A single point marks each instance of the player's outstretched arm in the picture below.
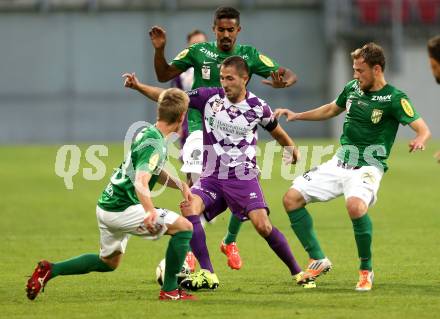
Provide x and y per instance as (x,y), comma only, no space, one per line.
(174,182)
(164,71)
(143,193)
(321,113)
(290,152)
(282,78)
(422,135)
(132,82)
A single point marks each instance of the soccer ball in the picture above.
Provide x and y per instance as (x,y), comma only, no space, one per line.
(160,272)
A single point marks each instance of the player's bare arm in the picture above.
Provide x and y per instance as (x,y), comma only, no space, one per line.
(281,78)
(290,152)
(164,71)
(132,82)
(321,113)
(143,193)
(422,135)
(170,181)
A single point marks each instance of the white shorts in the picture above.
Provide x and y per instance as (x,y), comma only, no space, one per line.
(328,181)
(192,153)
(116,227)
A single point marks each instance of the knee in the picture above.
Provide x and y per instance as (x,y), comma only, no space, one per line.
(293,200)
(264,228)
(186,225)
(356,207)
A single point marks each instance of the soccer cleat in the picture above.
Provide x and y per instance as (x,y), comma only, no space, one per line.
(317,267)
(365,282)
(191,261)
(203,279)
(176,294)
(231,251)
(38,279)
(306,283)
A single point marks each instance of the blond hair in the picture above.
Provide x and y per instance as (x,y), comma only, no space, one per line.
(172,103)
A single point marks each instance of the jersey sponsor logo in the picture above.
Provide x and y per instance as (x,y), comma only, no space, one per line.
(253,195)
(407,108)
(376,115)
(182,54)
(267,61)
(209,54)
(227,128)
(245,57)
(381,98)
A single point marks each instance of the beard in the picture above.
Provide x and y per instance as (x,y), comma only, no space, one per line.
(226,44)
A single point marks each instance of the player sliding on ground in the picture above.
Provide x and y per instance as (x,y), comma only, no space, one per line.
(125,207)
(206,58)
(229,176)
(374,111)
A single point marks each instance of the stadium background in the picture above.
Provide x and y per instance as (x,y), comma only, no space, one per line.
(61,60)
(61,63)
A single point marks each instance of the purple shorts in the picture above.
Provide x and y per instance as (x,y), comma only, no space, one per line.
(241,196)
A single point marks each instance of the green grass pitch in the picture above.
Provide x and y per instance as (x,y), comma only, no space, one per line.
(41,219)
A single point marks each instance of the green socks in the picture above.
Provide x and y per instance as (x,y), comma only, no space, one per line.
(302,224)
(233,229)
(80,265)
(175,256)
(363,231)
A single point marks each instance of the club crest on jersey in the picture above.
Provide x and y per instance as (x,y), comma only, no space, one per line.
(376,115)
(407,108)
(232,111)
(267,61)
(182,54)
(217,105)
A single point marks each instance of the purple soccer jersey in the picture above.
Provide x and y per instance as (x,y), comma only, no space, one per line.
(230,132)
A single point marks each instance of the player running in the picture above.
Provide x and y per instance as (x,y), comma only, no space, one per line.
(374,111)
(125,207)
(229,177)
(206,59)
(434,60)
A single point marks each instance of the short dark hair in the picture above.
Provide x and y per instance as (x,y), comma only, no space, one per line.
(195,32)
(434,48)
(227,13)
(238,63)
(372,54)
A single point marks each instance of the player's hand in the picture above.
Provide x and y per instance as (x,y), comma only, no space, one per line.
(186,192)
(437,156)
(416,144)
(131,81)
(278,80)
(291,155)
(290,116)
(158,37)
(185,208)
(150,221)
